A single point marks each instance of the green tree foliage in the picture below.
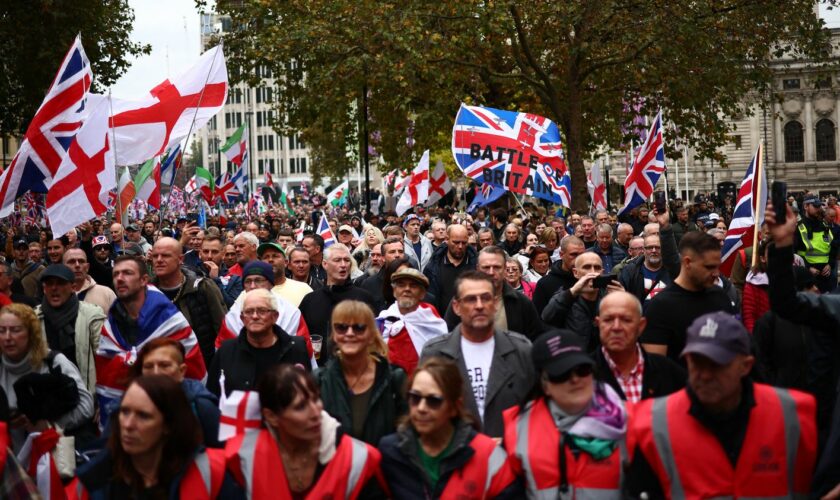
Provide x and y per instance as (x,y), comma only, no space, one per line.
(589,66)
(36,35)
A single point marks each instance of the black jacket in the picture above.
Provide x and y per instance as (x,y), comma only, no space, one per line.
(432,271)
(405,475)
(372,284)
(576,314)
(615,252)
(386,402)
(548,285)
(521,315)
(660,377)
(235,358)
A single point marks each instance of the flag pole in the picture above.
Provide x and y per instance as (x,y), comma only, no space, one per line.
(756,200)
(118,203)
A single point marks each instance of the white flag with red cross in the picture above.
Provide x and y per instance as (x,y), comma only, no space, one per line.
(417,186)
(439,184)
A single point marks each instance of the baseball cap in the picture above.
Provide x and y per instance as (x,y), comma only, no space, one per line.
(412,274)
(130,248)
(258,268)
(58,271)
(345,227)
(132,227)
(559,350)
(718,336)
(410,218)
(812,200)
(21,243)
(99,241)
(265,246)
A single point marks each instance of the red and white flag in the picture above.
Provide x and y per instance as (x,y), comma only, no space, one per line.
(36,456)
(149,126)
(80,188)
(240,412)
(125,195)
(417,186)
(439,184)
(597,188)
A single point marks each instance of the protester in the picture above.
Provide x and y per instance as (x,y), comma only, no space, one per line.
(301,451)
(447,263)
(418,248)
(570,438)
(437,452)
(560,276)
(300,268)
(495,364)
(87,290)
(7,294)
(513,277)
(245,245)
(539,263)
(605,248)
(291,290)
(762,439)
(314,244)
(648,276)
(42,386)
(25,270)
(392,249)
(154,450)
(512,240)
(213,266)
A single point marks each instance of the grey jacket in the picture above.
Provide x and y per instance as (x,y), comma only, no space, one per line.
(511,374)
(426,250)
(88,327)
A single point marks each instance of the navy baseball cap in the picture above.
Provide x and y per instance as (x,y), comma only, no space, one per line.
(58,271)
(718,336)
(258,268)
(558,350)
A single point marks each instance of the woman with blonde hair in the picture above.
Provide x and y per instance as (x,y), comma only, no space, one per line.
(43,386)
(359,387)
(371,236)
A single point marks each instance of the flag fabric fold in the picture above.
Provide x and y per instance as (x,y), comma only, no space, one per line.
(147,182)
(742,226)
(338,196)
(205,183)
(325,231)
(416,191)
(236,147)
(439,184)
(485,195)
(597,189)
(125,195)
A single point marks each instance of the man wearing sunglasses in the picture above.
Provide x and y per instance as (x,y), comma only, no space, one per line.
(495,364)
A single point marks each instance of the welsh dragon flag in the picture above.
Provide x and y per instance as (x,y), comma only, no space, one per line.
(147,182)
(236,147)
(205,183)
(338,196)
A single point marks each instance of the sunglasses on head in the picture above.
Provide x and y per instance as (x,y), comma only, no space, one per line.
(433,402)
(579,371)
(343,327)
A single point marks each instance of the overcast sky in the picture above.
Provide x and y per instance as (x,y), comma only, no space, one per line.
(172,29)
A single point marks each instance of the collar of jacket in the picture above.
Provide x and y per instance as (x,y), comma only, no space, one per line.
(452,346)
(459,454)
(282,343)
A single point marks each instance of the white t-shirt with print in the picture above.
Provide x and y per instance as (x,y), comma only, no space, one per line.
(478,357)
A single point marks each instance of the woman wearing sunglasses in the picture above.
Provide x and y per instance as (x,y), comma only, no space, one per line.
(436,452)
(569,441)
(359,387)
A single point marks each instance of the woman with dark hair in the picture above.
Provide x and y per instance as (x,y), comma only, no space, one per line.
(301,452)
(436,452)
(569,441)
(165,356)
(358,385)
(539,263)
(154,451)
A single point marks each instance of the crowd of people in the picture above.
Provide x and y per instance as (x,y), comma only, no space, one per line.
(513,353)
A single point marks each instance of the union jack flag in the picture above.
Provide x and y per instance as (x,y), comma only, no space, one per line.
(176,201)
(742,226)
(226,190)
(169,166)
(325,231)
(51,131)
(34,205)
(520,152)
(645,172)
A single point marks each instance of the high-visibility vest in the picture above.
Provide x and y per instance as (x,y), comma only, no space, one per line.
(485,475)
(533,442)
(817,246)
(776,460)
(4,445)
(254,460)
(201,481)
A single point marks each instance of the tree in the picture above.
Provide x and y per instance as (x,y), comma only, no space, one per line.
(36,35)
(592,67)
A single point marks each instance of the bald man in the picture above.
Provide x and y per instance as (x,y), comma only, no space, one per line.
(199,299)
(448,261)
(620,360)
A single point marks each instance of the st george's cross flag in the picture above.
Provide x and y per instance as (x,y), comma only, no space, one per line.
(416,191)
(439,184)
(647,167)
(520,152)
(81,186)
(597,189)
(149,126)
(751,205)
(36,456)
(45,144)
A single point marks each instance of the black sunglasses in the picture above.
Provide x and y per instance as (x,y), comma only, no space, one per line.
(433,402)
(343,327)
(580,371)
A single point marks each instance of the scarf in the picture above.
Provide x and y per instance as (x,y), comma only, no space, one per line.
(422,324)
(597,429)
(62,321)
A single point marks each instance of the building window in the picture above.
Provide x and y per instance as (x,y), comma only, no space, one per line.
(260,167)
(823,83)
(736,141)
(825,141)
(303,165)
(280,162)
(794,143)
(790,84)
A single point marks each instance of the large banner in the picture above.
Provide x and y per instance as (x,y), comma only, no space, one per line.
(519,152)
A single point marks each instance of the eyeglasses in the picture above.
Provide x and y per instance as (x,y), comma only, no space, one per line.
(343,327)
(653,247)
(472,300)
(432,402)
(579,371)
(262,311)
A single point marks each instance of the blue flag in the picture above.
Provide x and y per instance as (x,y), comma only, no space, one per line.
(487,194)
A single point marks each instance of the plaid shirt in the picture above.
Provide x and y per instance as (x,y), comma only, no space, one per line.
(631,384)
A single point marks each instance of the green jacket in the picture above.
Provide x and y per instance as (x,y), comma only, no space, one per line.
(387,403)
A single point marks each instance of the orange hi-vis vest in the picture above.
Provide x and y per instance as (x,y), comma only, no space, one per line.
(776,459)
(533,444)
(201,481)
(485,475)
(254,460)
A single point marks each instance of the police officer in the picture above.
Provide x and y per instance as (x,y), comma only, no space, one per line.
(813,243)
